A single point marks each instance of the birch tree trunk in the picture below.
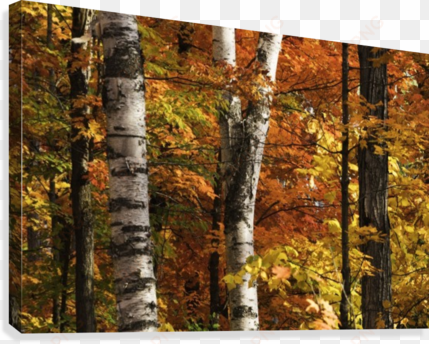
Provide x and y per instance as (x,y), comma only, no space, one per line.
(81,147)
(242,144)
(124,103)
(373,179)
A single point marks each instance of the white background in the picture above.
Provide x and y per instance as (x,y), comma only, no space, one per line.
(398,24)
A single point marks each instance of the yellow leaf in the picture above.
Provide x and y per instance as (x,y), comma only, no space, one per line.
(353,167)
(404,202)
(62,185)
(380,324)
(378,150)
(354,187)
(238,279)
(334,225)
(301,276)
(287,304)
(229,281)
(409,229)
(386,304)
(167,327)
(426,219)
(311,183)
(330,196)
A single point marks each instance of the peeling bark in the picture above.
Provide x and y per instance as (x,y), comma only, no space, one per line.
(373,182)
(124,103)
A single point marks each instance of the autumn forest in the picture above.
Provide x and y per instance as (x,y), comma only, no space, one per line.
(172,176)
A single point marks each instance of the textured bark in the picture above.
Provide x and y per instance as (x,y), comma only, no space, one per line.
(124,103)
(81,148)
(243,144)
(345,270)
(373,182)
(230,119)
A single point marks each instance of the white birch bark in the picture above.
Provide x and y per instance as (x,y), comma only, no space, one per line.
(124,103)
(242,144)
(230,120)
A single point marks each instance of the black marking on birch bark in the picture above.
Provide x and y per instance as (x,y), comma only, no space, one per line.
(242,243)
(262,56)
(138,228)
(117,223)
(152,305)
(111,154)
(243,312)
(127,249)
(119,128)
(138,326)
(117,31)
(132,285)
(128,172)
(117,203)
(125,62)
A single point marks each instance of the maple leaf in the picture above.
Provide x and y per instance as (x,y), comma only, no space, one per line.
(313,305)
(281,272)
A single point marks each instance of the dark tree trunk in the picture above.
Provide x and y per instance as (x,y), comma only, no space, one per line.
(214,255)
(33,235)
(34,242)
(185,37)
(373,182)
(346,295)
(80,184)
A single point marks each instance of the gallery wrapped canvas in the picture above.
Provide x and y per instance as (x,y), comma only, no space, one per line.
(173,176)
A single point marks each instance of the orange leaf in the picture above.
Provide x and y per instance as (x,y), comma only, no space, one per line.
(281,272)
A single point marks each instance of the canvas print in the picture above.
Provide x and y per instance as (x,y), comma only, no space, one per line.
(172,176)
